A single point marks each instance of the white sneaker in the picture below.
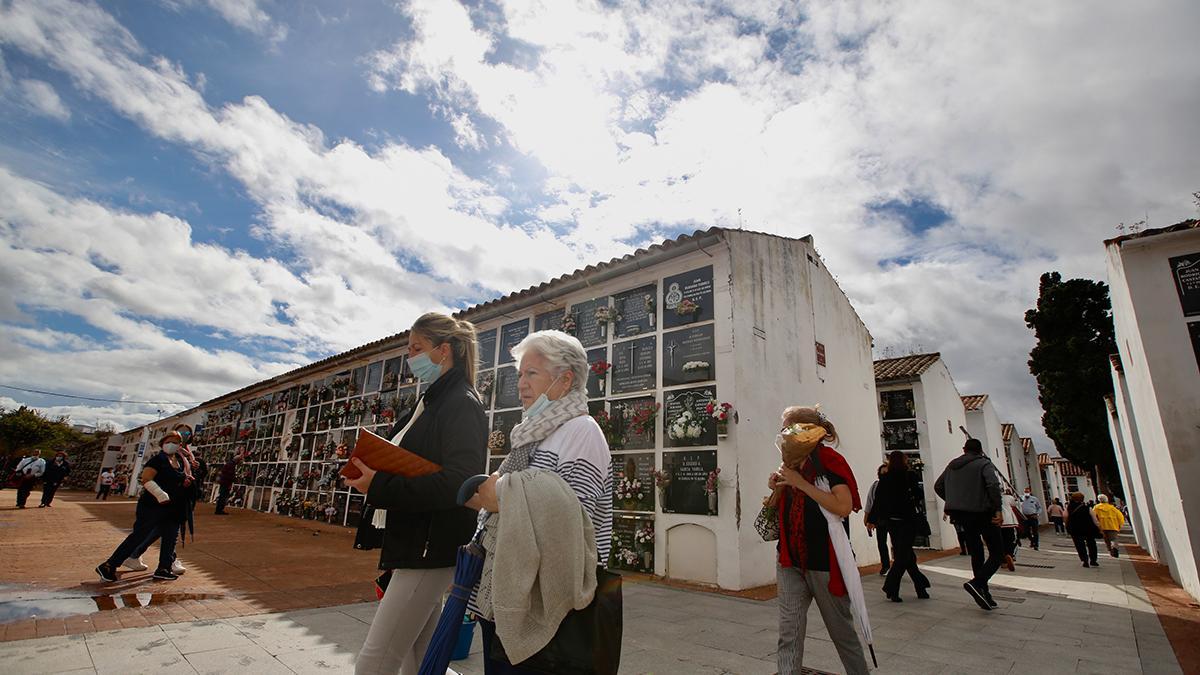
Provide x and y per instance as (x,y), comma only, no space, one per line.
(135,565)
(177,567)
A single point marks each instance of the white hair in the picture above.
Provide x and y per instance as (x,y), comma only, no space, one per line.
(1103,499)
(562,351)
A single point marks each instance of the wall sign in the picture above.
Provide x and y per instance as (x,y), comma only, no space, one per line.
(634,365)
(624,411)
(688,356)
(551,320)
(688,297)
(898,405)
(637,309)
(590,330)
(688,471)
(685,421)
(1185,270)
(510,336)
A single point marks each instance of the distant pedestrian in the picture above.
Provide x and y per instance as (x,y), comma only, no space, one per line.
(106,483)
(1008,528)
(880,530)
(225,479)
(56,472)
(29,471)
(900,504)
(1083,528)
(1057,513)
(970,485)
(1110,519)
(1031,509)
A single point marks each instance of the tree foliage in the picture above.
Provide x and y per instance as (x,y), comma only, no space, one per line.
(1074,330)
(25,428)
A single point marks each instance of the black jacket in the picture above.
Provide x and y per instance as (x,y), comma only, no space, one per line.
(970,483)
(898,495)
(425,525)
(55,474)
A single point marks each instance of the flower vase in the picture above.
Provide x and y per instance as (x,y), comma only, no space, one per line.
(648,561)
(651,317)
(603,330)
(712,503)
(722,429)
(630,504)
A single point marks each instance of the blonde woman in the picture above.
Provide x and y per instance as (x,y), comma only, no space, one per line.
(423,525)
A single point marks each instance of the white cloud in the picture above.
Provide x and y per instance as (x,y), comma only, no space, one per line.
(42,99)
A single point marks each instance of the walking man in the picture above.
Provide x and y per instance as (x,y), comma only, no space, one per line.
(1111,520)
(1031,508)
(56,472)
(29,471)
(970,485)
(106,483)
(225,483)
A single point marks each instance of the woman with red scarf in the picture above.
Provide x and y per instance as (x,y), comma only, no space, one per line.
(807,567)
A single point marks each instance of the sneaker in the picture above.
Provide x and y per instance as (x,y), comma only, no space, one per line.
(1086,565)
(135,565)
(106,572)
(977,595)
(165,575)
(1095,564)
(883,572)
(991,603)
(1009,564)
(177,567)
(1116,552)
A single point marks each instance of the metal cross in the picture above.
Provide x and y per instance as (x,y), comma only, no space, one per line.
(632,353)
(671,353)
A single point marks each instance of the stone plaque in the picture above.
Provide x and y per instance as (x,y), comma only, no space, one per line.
(688,472)
(596,384)
(634,365)
(685,421)
(688,290)
(898,405)
(374,377)
(487,348)
(551,320)
(632,543)
(633,482)
(900,436)
(1185,269)
(637,309)
(588,329)
(506,388)
(624,411)
(392,370)
(510,336)
(504,423)
(688,356)
(485,384)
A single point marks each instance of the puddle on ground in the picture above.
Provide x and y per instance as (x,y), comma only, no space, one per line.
(16,605)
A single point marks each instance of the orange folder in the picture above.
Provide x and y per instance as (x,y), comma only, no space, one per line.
(381,455)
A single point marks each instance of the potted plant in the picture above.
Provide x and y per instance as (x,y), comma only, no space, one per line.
(711,485)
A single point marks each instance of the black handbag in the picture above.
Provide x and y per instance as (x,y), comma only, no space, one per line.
(588,640)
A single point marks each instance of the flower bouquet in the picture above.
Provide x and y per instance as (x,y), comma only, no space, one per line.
(686,427)
(495,442)
(611,434)
(687,308)
(642,421)
(568,325)
(720,412)
(648,303)
(604,316)
(600,370)
(486,382)
(711,485)
(697,368)
(630,491)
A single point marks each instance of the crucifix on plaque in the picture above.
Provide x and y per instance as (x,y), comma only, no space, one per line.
(671,353)
(632,353)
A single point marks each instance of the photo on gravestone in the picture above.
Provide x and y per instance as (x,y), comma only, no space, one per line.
(900,435)
(633,481)
(590,330)
(506,394)
(504,422)
(634,365)
(551,320)
(688,297)
(688,356)
(632,543)
(685,420)
(636,420)
(485,384)
(1185,269)
(898,405)
(510,336)
(598,367)
(687,472)
(637,310)
(487,348)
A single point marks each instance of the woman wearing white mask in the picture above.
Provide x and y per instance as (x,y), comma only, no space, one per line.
(423,526)
(159,511)
(556,434)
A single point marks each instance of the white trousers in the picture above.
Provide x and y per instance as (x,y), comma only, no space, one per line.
(404,622)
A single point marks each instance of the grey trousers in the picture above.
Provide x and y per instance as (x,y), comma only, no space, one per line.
(404,622)
(797,589)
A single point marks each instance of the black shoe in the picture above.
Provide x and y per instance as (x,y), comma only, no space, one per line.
(107,573)
(894,597)
(922,594)
(220,513)
(1116,553)
(1095,564)
(165,574)
(41,506)
(977,595)
(990,601)
(883,572)
(1086,565)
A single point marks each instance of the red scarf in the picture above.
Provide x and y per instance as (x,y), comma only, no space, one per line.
(792,547)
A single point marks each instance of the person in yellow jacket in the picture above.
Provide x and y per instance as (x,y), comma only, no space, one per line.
(1111,519)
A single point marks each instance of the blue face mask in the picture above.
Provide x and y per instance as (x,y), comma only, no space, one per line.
(424,368)
(540,404)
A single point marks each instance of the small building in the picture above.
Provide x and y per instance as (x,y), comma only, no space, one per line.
(983,423)
(1154,281)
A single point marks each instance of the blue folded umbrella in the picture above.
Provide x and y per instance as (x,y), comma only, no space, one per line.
(445,636)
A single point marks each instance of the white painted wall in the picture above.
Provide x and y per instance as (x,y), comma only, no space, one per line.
(1030,458)
(1018,471)
(1052,478)
(984,424)
(1163,388)
(784,299)
(939,415)
(1130,462)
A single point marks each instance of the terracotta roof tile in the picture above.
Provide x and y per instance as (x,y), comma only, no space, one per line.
(904,367)
(1006,430)
(973,402)
(1044,459)
(1068,468)
(1026,443)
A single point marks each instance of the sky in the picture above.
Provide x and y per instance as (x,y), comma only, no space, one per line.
(196,195)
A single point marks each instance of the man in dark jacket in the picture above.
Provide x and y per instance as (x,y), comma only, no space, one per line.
(225,482)
(971,487)
(56,472)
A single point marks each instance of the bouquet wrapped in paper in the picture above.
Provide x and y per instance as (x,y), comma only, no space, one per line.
(796,442)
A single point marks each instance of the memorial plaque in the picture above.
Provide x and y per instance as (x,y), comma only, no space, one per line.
(392,370)
(510,336)
(374,377)
(551,320)
(485,384)
(898,405)
(632,543)
(637,309)
(634,365)
(685,421)
(624,411)
(900,436)
(596,384)
(506,394)
(633,482)
(588,329)
(1185,269)
(487,348)
(688,290)
(688,356)
(504,423)
(688,472)
(1194,334)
